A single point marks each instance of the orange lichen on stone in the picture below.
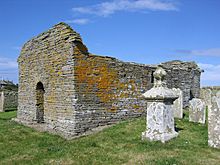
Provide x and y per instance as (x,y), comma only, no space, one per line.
(96,80)
(94,73)
(83,91)
(113,109)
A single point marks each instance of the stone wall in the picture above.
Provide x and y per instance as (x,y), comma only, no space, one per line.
(8,100)
(186,76)
(49,59)
(108,90)
(81,90)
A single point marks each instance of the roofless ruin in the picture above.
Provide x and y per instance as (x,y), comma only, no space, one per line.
(69,90)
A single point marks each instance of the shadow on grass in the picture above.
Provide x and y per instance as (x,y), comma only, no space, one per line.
(184,115)
(178,129)
(11,109)
(4,119)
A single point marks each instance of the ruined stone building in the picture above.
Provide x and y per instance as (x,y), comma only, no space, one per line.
(70,90)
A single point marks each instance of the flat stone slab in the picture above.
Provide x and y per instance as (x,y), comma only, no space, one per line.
(197,111)
(206,96)
(214,122)
(178,104)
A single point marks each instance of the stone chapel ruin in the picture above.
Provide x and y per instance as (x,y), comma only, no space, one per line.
(69,90)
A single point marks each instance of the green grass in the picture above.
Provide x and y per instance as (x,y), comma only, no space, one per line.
(119,144)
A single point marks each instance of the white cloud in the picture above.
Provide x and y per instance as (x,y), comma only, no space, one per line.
(108,8)
(204,52)
(8,69)
(6,63)
(80,21)
(207,52)
(211,75)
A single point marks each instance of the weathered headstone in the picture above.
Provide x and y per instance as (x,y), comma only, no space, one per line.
(2,101)
(178,104)
(206,96)
(160,119)
(214,122)
(197,111)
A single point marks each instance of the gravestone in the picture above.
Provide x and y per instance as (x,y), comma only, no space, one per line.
(178,104)
(2,101)
(214,122)
(206,96)
(160,119)
(197,111)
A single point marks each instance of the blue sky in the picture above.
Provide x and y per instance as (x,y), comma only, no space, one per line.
(142,31)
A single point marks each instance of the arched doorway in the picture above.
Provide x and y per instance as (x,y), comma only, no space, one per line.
(40,102)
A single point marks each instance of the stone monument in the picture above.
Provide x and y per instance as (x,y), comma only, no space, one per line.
(178,104)
(214,122)
(2,101)
(206,96)
(160,119)
(197,111)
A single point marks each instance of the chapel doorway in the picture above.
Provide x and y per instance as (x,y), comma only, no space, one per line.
(40,102)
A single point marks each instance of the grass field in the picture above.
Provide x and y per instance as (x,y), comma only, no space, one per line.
(119,144)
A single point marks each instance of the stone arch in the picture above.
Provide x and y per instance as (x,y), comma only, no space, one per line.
(40,102)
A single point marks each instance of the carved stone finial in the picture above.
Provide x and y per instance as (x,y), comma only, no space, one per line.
(159,76)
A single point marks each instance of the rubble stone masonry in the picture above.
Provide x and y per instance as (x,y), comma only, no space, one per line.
(80,91)
(8,100)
